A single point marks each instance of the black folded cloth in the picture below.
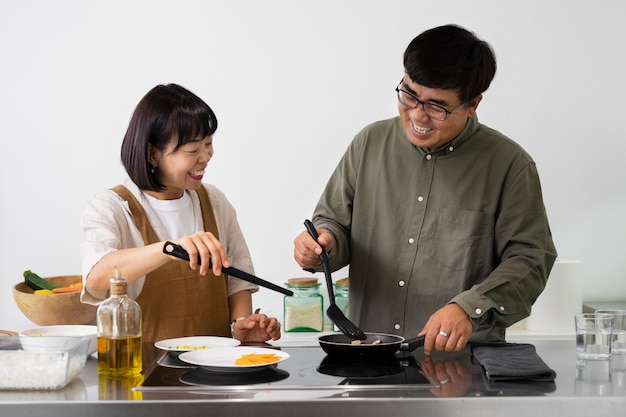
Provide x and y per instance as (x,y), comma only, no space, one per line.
(512,362)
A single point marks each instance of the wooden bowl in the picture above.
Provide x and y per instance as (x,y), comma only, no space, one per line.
(54,309)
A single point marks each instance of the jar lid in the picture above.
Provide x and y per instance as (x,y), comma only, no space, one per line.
(302,282)
(342,282)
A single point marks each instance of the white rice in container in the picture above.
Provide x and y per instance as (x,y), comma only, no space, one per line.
(39,369)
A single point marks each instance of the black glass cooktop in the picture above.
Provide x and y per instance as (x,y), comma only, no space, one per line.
(307,367)
(311,370)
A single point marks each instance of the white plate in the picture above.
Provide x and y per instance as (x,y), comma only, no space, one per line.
(186,344)
(223,359)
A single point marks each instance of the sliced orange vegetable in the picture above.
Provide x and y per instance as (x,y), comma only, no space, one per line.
(71,288)
(256,359)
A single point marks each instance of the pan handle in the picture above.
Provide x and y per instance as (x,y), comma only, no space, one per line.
(412,344)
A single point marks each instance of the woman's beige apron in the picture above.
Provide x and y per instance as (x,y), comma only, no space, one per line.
(176,301)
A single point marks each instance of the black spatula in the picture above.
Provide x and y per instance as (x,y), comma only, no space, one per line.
(334,312)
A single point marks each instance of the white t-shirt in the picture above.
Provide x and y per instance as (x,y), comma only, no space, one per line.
(108,225)
(177,215)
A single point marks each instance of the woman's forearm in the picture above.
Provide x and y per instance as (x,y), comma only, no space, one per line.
(132,263)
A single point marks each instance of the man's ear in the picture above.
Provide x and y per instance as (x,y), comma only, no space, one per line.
(473,105)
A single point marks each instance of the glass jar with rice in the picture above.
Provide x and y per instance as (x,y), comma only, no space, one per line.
(304,311)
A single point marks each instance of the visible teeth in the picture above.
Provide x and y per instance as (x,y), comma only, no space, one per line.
(196,173)
(421,129)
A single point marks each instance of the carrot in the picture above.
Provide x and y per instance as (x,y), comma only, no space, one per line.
(256,359)
(71,288)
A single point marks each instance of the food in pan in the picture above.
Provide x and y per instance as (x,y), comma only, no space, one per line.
(360,342)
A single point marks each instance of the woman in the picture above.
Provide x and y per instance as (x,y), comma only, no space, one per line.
(165,151)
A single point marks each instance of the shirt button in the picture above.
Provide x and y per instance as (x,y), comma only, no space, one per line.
(501,308)
(478,311)
(429,157)
(411,240)
(451,148)
(396,326)
(420,199)
(401,283)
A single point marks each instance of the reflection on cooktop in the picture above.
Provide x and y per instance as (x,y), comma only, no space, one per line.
(334,366)
(171,360)
(201,376)
(368,371)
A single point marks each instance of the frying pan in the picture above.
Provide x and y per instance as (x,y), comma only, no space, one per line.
(375,345)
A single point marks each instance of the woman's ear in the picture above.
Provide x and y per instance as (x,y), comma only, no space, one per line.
(153,155)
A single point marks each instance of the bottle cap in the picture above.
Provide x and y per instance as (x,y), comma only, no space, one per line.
(118,286)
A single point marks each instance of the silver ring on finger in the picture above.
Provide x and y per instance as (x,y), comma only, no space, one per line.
(442,333)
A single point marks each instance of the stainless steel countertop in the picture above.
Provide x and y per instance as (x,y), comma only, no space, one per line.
(580,389)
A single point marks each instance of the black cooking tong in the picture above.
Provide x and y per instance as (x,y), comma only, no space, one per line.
(334,312)
(178,251)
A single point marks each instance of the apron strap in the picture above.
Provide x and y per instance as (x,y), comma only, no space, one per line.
(208,217)
(139,214)
(177,300)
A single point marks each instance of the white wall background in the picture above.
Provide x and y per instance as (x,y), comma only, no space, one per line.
(291,83)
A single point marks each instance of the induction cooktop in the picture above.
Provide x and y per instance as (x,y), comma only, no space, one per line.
(311,373)
(307,368)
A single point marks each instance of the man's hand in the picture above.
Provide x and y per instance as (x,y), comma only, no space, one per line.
(449,328)
(306,250)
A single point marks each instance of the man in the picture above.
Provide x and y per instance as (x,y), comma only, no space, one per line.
(440,217)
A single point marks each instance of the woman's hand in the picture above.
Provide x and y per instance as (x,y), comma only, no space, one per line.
(256,328)
(206,247)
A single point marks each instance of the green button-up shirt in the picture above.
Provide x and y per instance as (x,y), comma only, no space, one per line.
(419,229)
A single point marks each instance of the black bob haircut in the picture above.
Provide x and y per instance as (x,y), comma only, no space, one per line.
(166,113)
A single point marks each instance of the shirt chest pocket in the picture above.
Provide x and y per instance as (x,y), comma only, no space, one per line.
(461,239)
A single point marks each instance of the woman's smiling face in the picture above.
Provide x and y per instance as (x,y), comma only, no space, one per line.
(181,169)
(426,132)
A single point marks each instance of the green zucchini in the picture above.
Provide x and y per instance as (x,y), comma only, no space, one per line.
(35,282)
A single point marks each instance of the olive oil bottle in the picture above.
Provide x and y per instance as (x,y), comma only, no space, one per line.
(119,332)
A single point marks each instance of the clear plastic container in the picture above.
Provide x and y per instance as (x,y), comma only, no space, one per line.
(304,311)
(41,363)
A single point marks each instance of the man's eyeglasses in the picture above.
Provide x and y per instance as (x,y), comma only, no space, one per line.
(434,111)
